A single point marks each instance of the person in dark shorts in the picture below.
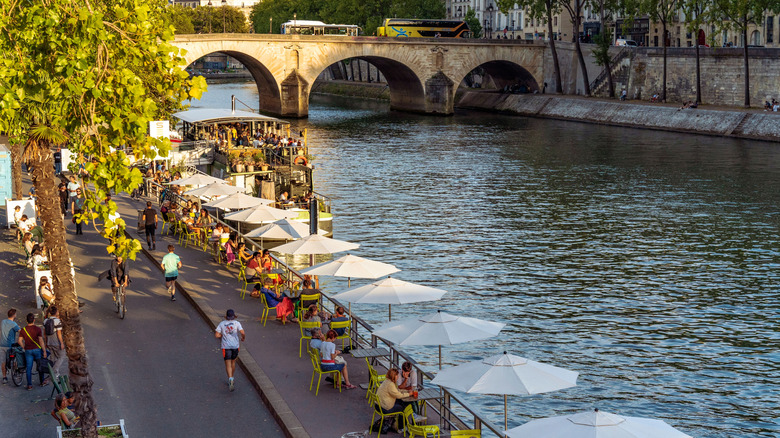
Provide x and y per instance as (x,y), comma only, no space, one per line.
(171,263)
(230,332)
(150,224)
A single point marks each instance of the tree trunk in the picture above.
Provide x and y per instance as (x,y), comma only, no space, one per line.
(50,215)
(576,21)
(747,64)
(607,64)
(553,52)
(698,72)
(663,79)
(16,170)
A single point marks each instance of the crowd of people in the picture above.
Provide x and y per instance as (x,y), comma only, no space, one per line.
(774,105)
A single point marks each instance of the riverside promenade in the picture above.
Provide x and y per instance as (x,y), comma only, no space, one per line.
(270,354)
(159,369)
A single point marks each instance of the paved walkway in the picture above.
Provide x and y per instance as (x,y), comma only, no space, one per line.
(159,369)
(273,347)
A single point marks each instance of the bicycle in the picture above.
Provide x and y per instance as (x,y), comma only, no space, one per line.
(119,300)
(15,364)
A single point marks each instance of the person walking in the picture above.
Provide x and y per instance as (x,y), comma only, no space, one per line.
(31,339)
(171,264)
(73,186)
(52,329)
(230,332)
(8,332)
(150,221)
(78,208)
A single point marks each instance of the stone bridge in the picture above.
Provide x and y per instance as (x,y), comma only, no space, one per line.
(422,73)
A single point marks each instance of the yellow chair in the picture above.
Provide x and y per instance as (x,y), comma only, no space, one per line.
(375,379)
(188,236)
(346,325)
(315,362)
(373,399)
(415,429)
(308,297)
(304,326)
(471,433)
(266,309)
(170,222)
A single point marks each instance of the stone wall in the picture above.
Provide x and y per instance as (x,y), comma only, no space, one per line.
(760,126)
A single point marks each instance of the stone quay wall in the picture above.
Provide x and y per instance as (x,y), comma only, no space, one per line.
(740,124)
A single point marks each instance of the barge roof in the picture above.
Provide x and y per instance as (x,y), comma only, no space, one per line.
(222,115)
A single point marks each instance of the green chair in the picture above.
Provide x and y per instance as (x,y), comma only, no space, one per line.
(375,379)
(307,297)
(315,362)
(266,309)
(415,429)
(346,325)
(171,222)
(471,433)
(304,326)
(188,236)
(373,399)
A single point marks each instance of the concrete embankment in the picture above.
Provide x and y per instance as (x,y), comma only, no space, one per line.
(741,124)
(362,90)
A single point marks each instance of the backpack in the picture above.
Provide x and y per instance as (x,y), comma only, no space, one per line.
(48,327)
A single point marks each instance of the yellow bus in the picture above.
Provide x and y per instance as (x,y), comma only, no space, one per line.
(404,27)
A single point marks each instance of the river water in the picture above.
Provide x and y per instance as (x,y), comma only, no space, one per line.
(646,261)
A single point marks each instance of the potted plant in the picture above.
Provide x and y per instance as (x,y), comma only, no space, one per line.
(236,163)
(250,164)
(259,158)
(110,430)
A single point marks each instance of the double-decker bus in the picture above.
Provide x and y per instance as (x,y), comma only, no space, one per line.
(403,27)
(309,27)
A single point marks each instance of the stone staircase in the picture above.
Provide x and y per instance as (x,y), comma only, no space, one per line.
(621,71)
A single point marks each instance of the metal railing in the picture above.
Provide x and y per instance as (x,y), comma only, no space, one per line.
(361,333)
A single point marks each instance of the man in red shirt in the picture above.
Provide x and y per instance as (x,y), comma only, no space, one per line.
(31,338)
(253,271)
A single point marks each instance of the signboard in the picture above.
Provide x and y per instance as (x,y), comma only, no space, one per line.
(159,128)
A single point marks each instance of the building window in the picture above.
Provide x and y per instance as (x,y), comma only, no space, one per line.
(770,29)
(555,21)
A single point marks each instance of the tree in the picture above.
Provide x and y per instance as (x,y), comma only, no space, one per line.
(181,19)
(603,42)
(473,22)
(218,19)
(696,15)
(660,11)
(739,15)
(94,75)
(541,10)
(574,8)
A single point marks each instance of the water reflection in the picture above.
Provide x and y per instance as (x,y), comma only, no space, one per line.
(646,261)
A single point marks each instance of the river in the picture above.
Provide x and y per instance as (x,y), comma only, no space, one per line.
(646,261)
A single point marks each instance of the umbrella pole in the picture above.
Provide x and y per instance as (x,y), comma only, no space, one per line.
(389,312)
(439,357)
(505,416)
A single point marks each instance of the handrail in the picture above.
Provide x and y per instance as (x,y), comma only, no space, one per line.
(450,418)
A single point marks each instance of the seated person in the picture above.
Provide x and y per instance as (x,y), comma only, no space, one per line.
(317,339)
(28,243)
(340,315)
(330,359)
(62,412)
(389,395)
(266,261)
(283,305)
(46,292)
(38,256)
(252,273)
(407,379)
(308,290)
(311,315)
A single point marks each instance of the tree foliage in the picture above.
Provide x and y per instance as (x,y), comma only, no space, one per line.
(474,26)
(368,14)
(92,74)
(208,19)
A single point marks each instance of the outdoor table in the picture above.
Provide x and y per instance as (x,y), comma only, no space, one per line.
(423,395)
(369,352)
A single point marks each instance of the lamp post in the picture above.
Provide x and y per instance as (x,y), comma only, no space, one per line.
(224,2)
(210,11)
(513,29)
(490,22)
(270,24)
(485,28)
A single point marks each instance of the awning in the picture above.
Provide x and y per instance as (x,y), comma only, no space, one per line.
(222,115)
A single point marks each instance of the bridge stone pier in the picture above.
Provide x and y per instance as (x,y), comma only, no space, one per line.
(422,73)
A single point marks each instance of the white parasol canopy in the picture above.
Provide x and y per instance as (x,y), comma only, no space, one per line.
(438,328)
(214,189)
(315,244)
(506,374)
(351,266)
(238,201)
(282,229)
(197,180)
(390,291)
(595,424)
(259,214)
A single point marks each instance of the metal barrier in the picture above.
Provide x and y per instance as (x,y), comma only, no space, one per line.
(361,332)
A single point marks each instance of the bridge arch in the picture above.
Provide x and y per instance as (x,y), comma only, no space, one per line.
(406,90)
(522,67)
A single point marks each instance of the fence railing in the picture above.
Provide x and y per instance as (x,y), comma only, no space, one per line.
(451,409)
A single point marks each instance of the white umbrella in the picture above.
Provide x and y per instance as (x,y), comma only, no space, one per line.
(197,180)
(259,214)
(315,244)
(352,267)
(438,328)
(238,201)
(282,229)
(390,291)
(595,424)
(214,189)
(506,374)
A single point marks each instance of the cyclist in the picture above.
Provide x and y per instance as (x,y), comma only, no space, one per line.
(119,274)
